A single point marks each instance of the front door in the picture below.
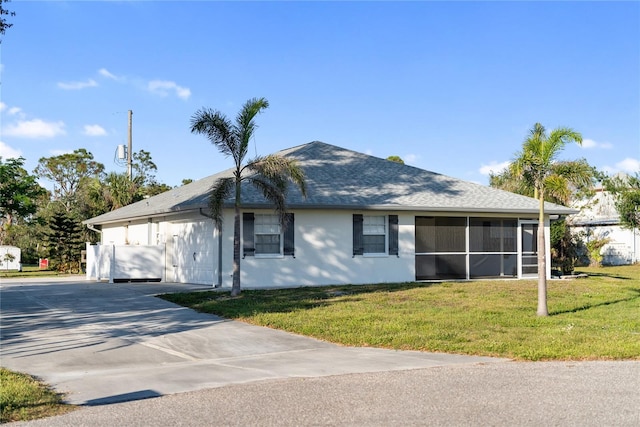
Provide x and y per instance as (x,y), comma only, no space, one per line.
(529,249)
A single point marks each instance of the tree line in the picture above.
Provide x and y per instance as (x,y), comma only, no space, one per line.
(47,223)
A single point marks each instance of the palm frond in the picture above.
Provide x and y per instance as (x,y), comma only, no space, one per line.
(217,128)
(218,193)
(511,179)
(245,124)
(273,193)
(557,189)
(280,170)
(580,175)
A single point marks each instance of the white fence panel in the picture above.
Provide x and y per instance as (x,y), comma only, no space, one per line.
(125,262)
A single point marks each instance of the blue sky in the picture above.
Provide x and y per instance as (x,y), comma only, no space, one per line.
(451,87)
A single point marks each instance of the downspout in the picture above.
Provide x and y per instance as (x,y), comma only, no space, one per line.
(219,284)
(92,228)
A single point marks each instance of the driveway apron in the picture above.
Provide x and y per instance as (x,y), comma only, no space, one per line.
(103,343)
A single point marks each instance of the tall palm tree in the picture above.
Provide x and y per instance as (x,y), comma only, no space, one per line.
(536,165)
(575,178)
(270,174)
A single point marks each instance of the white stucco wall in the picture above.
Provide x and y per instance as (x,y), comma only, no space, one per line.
(324,255)
(599,218)
(10,257)
(323,250)
(624,245)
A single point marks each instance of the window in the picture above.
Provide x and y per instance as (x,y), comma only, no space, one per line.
(262,234)
(267,234)
(375,234)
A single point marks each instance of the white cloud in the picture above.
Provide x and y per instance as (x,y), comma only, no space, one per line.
(629,165)
(7,152)
(163,87)
(590,143)
(13,111)
(411,159)
(494,167)
(77,85)
(35,128)
(105,73)
(94,130)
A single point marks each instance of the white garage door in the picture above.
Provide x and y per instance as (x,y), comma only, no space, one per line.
(192,252)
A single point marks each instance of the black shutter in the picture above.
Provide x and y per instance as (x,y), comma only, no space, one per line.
(248,245)
(358,244)
(289,233)
(393,234)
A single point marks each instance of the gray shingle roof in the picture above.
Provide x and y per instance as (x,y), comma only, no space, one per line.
(338,178)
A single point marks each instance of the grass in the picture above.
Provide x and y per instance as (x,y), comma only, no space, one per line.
(29,271)
(597,318)
(23,398)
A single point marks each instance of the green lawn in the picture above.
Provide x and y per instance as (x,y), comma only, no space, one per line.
(590,319)
(30,271)
(22,398)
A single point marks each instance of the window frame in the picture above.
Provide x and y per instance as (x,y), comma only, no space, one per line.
(287,236)
(385,234)
(280,235)
(391,242)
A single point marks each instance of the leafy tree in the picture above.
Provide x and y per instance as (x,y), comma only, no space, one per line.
(564,247)
(270,174)
(143,167)
(64,240)
(4,25)
(19,193)
(627,192)
(396,159)
(534,163)
(155,188)
(144,174)
(186,181)
(118,190)
(67,172)
(594,245)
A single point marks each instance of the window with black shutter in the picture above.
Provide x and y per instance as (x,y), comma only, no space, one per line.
(358,244)
(263,235)
(248,242)
(393,235)
(289,236)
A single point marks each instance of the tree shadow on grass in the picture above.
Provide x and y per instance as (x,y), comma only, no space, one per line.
(607,275)
(601,304)
(251,302)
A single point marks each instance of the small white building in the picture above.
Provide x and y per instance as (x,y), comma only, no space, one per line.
(598,218)
(10,258)
(365,220)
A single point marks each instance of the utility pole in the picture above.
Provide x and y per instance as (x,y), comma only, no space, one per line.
(130,149)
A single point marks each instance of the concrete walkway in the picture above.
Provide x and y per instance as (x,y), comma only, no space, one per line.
(104,343)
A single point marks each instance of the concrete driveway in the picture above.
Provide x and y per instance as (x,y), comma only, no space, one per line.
(104,343)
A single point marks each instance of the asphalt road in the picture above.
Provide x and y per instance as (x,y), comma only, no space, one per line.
(496,394)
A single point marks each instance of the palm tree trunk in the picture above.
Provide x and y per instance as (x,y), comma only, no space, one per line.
(235,287)
(542,262)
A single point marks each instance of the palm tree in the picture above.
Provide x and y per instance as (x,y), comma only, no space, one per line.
(270,174)
(575,179)
(535,164)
